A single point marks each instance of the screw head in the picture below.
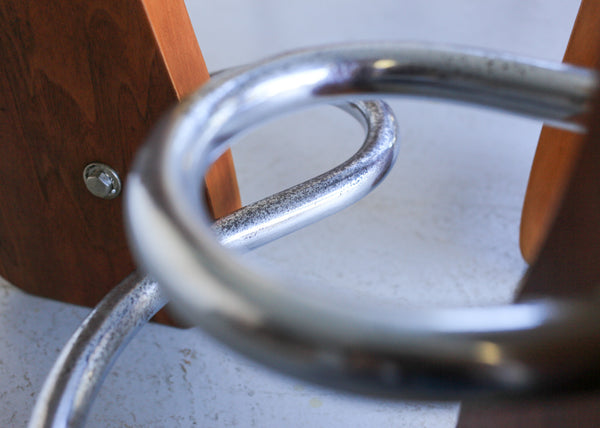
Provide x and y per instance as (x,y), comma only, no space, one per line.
(101,180)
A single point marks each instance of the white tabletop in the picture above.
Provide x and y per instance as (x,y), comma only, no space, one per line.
(441,230)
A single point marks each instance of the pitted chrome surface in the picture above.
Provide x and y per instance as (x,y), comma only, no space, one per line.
(85,360)
(305,203)
(365,346)
(536,347)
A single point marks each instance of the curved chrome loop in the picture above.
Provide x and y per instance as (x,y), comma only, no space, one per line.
(77,374)
(87,357)
(287,211)
(513,350)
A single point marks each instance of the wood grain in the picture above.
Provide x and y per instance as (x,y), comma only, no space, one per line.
(175,36)
(557,150)
(83,81)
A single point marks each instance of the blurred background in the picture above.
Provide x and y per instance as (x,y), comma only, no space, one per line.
(442,230)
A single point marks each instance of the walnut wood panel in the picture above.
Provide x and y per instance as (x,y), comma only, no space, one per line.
(83,81)
(557,150)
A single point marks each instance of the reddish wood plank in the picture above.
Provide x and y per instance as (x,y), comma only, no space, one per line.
(175,36)
(82,81)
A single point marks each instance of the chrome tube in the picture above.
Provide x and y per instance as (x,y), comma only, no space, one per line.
(87,357)
(537,347)
(82,365)
(305,203)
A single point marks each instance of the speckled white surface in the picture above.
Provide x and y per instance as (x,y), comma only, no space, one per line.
(441,230)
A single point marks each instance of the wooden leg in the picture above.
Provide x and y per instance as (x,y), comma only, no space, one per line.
(177,44)
(567,264)
(84,81)
(557,150)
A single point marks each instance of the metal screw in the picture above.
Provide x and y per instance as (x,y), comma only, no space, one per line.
(101,180)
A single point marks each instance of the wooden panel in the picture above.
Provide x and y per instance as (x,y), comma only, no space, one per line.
(83,81)
(557,150)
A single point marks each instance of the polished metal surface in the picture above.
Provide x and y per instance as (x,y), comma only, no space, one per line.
(374,347)
(101,180)
(83,363)
(305,203)
(85,360)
